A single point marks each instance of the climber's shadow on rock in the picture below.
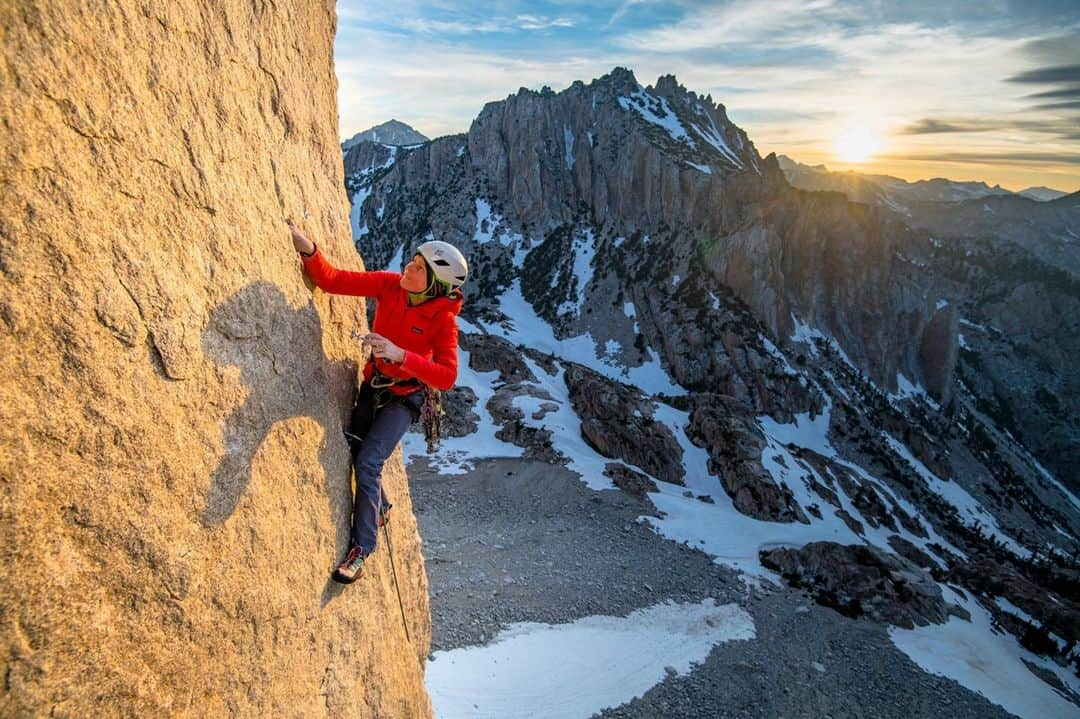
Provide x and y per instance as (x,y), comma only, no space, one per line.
(278,350)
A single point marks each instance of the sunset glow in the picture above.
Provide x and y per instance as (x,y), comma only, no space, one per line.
(856,144)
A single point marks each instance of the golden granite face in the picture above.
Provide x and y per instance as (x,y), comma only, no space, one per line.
(174,484)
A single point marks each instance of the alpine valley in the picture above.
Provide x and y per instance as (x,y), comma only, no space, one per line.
(836,415)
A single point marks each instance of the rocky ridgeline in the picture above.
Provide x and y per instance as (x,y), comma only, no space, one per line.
(174,484)
(644,218)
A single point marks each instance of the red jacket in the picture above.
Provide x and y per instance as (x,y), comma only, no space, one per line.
(427,332)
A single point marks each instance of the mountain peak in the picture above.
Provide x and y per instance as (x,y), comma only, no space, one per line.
(1042,193)
(392,132)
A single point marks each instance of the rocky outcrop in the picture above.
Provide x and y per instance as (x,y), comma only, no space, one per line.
(364,159)
(617,422)
(459,412)
(735,445)
(489,353)
(174,483)
(1051,602)
(863,581)
(634,483)
(612,166)
(1010,266)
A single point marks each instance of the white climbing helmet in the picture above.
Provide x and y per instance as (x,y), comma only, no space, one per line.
(446,261)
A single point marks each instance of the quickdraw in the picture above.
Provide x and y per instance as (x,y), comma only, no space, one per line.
(431,413)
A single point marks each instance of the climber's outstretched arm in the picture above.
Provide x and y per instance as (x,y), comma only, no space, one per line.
(342,282)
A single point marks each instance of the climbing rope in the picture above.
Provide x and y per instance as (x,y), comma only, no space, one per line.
(393,571)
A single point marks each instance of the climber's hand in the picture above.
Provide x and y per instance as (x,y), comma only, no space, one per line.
(299,241)
(384,349)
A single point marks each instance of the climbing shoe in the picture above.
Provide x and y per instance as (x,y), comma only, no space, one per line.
(384,513)
(351,567)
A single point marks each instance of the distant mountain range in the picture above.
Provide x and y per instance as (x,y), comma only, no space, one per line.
(892,191)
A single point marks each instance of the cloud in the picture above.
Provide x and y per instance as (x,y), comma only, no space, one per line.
(427,26)
(1054,49)
(745,24)
(1063,129)
(991,158)
(534,22)
(933,126)
(1072,105)
(1049,75)
(1066,92)
(1067,77)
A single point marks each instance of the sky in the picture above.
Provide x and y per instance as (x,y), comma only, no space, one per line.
(986,90)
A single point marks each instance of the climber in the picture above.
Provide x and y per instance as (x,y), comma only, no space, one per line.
(414,346)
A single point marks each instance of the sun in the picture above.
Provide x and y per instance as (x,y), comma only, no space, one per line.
(856,144)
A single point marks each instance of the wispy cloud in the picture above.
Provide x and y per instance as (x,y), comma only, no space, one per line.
(993,158)
(428,26)
(943,125)
(1049,75)
(1067,92)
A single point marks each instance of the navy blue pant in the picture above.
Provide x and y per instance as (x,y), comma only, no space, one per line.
(379,420)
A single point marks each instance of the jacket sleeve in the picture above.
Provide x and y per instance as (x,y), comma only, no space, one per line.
(345,282)
(440,372)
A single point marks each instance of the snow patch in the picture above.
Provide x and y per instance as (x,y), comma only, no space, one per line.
(524,326)
(358,199)
(483,214)
(714,137)
(397,262)
(1007,606)
(573,671)
(986,662)
(656,110)
(584,250)
(906,389)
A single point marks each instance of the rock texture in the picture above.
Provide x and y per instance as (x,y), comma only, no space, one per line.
(174,485)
